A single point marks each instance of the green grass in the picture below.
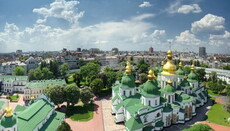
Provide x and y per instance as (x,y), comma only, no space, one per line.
(80,112)
(14,97)
(218,115)
(212,93)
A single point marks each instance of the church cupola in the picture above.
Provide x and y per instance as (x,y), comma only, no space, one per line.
(150,92)
(169,68)
(127,82)
(180,72)
(9,121)
(192,77)
(169,92)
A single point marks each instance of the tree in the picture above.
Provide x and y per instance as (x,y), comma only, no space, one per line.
(108,69)
(96,85)
(54,68)
(90,71)
(213,76)
(143,78)
(19,71)
(38,74)
(142,66)
(72,94)
(199,127)
(31,75)
(81,62)
(103,77)
(64,127)
(111,78)
(64,69)
(119,75)
(47,74)
(56,94)
(186,69)
(43,65)
(201,74)
(216,87)
(86,95)
(77,78)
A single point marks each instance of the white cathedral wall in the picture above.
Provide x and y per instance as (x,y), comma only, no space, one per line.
(154,101)
(127,91)
(165,78)
(165,114)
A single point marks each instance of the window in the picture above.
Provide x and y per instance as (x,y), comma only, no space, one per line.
(145,118)
(124,93)
(158,114)
(149,103)
(130,93)
(155,102)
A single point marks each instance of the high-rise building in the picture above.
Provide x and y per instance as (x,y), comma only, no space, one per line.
(151,50)
(114,51)
(202,51)
(18,52)
(78,49)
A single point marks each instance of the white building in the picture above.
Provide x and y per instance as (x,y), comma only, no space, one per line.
(224,75)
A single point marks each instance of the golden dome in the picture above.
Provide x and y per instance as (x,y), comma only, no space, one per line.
(162,63)
(8,111)
(151,75)
(192,67)
(128,68)
(180,64)
(169,68)
(32,98)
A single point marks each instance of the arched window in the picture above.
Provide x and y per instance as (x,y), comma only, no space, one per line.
(158,114)
(124,93)
(130,93)
(145,118)
(149,103)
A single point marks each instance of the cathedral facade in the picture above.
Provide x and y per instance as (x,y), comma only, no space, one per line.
(170,98)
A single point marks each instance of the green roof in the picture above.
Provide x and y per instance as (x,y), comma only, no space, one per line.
(116,87)
(134,124)
(114,98)
(201,96)
(54,121)
(159,124)
(135,108)
(180,72)
(127,81)
(33,115)
(185,83)
(19,109)
(150,89)
(7,122)
(148,128)
(175,104)
(2,103)
(184,98)
(167,108)
(192,76)
(130,101)
(169,89)
(11,78)
(45,83)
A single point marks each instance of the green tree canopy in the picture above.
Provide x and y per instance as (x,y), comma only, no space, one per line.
(119,75)
(201,74)
(47,74)
(72,94)
(96,85)
(43,65)
(111,78)
(53,66)
(56,94)
(64,127)
(86,95)
(77,78)
(19,71)
(213,76)
(64,69)
(90,71)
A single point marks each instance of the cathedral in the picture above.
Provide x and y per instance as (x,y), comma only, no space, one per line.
(170,98)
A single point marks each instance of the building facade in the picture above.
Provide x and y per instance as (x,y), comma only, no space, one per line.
(202,51)
(160,102)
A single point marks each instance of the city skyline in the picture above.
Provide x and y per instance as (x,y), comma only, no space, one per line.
(48,25)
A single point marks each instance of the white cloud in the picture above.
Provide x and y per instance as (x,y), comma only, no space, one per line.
(60,9)
(123,34)
(187,38)
(209,24)
(218,40)
(185,9)
(173,7)
(145,4)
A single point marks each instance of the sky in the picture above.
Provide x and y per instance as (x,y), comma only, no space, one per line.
(132,25)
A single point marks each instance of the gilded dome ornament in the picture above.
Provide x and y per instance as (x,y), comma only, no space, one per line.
(8,111)
(169,68)
(128,68)
(151,75)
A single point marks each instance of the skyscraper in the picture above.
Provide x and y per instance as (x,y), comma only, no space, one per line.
(202,51)
(151,51)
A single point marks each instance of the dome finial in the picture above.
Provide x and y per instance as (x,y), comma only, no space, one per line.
(162,63)
(180,65)
(151,75)
(128,68)
(169,68)
(32,98)
(169,82)
(8,110)
(192,66)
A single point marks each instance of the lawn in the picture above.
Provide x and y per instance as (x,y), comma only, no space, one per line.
(212,93)
(218,115)
(14,98)
(81,112)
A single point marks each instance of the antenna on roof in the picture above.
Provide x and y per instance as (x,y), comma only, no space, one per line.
(170,45)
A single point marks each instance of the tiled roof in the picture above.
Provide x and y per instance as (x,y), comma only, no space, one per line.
(54,121)
(45,83)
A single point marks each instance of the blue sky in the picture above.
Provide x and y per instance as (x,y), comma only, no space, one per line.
(46,25)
